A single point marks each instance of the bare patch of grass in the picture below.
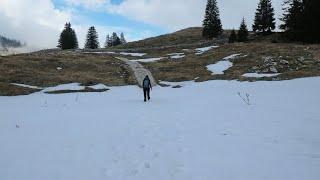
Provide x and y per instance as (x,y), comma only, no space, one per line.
(7,89)
(85,90)
(62,67)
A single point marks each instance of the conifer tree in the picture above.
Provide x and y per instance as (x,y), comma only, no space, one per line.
(243,32)
(301,20)
(122,39)
(92,39)
(264,20)
(108,42)
(292,19)
(212,26)
(233,36)
(311,21)
(68,38)
(115,39)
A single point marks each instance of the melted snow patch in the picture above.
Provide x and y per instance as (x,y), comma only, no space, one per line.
(133,54)
(204,49)
(100,52)
(182,83)
(99,86)
(147,60)
(256,75)
(176,55)
(71,86)
(219,67)
(233,56)
(26,86)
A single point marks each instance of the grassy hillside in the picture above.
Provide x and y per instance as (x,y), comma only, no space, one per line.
(291,60)
(46,69)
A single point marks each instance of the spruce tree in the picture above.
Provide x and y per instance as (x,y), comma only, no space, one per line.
(301,20)
(122,39)
(311,21)
(212,26)
(264,20)
(233,36)
(92,39)
(68,38)
(292,19)
(108,42)
(115,39)
(243,32)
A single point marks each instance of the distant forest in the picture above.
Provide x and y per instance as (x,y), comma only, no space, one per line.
(6,42)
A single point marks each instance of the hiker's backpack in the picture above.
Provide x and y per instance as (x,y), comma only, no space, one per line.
(146,83)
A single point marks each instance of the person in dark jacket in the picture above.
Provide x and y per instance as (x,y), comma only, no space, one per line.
(146,85)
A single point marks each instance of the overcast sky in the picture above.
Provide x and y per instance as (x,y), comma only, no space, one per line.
(39,22)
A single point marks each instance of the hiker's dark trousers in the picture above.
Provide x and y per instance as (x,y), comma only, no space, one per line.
(146,92)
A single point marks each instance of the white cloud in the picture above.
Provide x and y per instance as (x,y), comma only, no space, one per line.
(36,22)
(39,23)
(177,14)
(90,4)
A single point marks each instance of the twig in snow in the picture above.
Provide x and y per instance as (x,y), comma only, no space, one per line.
(77,97)
(245,99)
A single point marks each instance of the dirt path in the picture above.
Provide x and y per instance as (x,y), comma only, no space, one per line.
(139,71)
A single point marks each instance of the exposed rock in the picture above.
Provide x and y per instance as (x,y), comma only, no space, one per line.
(284,62)
(177,86)
(301,59)
(273,69)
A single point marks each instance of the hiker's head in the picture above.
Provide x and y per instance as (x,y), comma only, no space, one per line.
(147,76)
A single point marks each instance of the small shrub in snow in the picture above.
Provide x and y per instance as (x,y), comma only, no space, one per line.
(245,98)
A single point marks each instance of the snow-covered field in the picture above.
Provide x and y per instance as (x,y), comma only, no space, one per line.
(202,131)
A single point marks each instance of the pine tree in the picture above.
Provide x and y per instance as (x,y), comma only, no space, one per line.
(212,26)
(122,39)
(115,39)
(243,32)
(301,20)
(292,19)
(92,39)
(68,38)
(108,42)
(311,21)
(264,20)
(233,36)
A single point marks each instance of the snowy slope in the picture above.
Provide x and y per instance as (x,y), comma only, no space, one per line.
(181,134)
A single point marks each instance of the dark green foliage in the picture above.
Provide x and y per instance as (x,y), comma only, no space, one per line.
(92,41)
(292,19)
(122,39)
(243,32)
(108,42)
(6,42)
(264,21)
(233,36)
(212,26)
(311,21)
(301,20)
(68,38)
(115,39)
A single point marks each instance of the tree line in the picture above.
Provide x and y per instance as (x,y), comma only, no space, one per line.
(6,42)
(68,39)
(300,21)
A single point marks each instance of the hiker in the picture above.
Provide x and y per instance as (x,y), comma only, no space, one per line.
(146,85)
